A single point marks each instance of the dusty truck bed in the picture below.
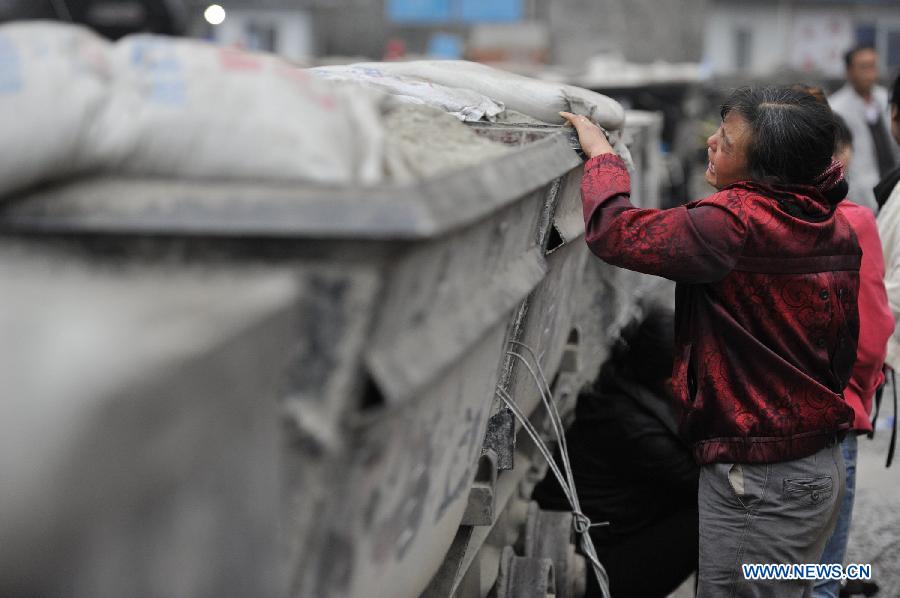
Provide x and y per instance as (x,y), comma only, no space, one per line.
(129,436)
(409,210)
(397,462)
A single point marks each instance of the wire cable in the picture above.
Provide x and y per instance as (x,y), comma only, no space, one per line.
(580,522)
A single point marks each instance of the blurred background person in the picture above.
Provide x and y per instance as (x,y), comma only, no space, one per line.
(888,197)
(631,467)
(888,184)
(876,323)
(843,142)
(863,104)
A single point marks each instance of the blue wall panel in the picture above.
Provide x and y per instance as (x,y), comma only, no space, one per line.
(419,11)
(490,11)
(443,11)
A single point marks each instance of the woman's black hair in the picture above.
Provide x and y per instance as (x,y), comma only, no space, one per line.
(791,133)
(850,54)
(843,136)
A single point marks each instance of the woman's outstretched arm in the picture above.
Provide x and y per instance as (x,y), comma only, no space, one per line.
(694,244)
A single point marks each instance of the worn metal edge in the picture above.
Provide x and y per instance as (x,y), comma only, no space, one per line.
(507,486)
(389,362)
(244,209)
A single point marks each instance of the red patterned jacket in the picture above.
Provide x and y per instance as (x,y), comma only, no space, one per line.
(765,309)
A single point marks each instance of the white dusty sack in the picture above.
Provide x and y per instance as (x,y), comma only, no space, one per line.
(542,100)
(53,81)
(188,109)
(464,104)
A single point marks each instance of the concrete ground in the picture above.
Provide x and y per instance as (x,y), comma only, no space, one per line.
(685,590)
(875,531)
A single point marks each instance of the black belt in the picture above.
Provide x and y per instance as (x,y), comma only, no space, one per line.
(878,394)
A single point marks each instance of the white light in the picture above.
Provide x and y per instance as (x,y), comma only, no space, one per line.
(214,14)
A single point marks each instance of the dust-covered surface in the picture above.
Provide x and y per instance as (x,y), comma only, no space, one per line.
(464,104)
(126,423)
(514,117)
(422,142)
(540,99)
(875,530)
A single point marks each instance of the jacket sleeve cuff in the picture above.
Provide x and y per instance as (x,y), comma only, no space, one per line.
(605,161)
(605,177)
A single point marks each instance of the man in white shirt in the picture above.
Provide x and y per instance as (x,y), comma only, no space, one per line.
(888,198)
(864,106)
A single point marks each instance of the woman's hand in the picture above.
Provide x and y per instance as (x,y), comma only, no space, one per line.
(593,141)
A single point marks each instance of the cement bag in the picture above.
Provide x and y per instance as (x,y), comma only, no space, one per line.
(188,109)
(464,104)
(539,99)
(423,142)
(53,80)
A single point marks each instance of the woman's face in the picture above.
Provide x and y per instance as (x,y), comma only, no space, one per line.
(727,152)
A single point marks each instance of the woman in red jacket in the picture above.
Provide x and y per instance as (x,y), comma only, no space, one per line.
(766,327)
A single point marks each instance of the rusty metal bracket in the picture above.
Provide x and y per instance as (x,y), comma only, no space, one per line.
(523,577)
(501,438)
(550,535)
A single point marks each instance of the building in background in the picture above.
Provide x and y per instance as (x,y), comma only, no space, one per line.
(567,32)
(110,18)
(765,37)
(278,26)
(641,31)
(562,32)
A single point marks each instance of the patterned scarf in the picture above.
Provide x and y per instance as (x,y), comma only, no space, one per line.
(831,183)
(829,179)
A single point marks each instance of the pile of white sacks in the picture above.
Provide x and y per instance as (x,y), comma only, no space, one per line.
(475,91)
(72,103)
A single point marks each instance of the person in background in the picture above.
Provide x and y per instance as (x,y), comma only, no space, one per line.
(843,136)
(888,197)
(887,187)
(863,104)
(631,468)
(843,142)
(887,194)
(876,323)
(767,275)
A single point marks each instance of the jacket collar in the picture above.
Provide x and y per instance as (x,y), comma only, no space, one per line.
(800,201)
